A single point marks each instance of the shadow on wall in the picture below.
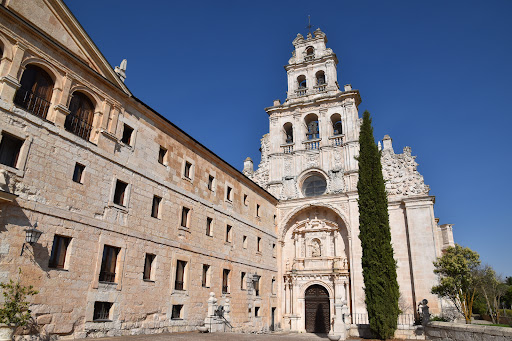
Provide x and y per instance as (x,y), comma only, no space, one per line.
(14,220)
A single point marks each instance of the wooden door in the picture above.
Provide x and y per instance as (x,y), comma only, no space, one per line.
(318,314)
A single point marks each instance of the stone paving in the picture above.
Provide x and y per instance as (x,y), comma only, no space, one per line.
(194,336)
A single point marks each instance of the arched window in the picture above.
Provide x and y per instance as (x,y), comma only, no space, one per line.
(301,80)
(35,92)
(288,131)
(314,185)
(311,121)
(310,51)
(79,121)
(320,78)
(336,124)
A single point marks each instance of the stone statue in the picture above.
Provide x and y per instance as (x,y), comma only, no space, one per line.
(121,70)
(4,180)
(316,251)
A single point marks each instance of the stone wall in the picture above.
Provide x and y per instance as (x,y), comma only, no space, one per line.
(445,331)
(83,211)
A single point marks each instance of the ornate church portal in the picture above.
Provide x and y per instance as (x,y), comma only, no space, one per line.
(316,268)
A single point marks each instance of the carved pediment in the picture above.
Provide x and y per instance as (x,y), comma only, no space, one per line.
(314,226)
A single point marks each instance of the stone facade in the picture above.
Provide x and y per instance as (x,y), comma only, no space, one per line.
(309,163)
(145,230)
(39,187)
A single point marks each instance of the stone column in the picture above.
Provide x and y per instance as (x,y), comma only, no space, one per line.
(9,84)
(59,112)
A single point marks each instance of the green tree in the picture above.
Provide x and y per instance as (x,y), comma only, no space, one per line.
(15,311)
(379,266)
(492,288)
(459,280)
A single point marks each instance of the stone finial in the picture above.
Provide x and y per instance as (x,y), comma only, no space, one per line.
(318,33)
(309,36)
(379,146)
(299,39)
(248,166)
(387,143)
(348,87)
(121,70)
(277,102)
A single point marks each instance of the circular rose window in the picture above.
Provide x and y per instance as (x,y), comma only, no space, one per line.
(313,186)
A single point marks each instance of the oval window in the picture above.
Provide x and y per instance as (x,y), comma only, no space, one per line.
(313,186)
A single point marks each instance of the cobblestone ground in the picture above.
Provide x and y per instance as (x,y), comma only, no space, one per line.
(193,336)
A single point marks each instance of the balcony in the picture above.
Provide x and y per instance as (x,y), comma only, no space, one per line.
(36,105)
(309,57)
(78,126)
(287,148)
(312,144)
(301,92)
(320,88)
(336,140)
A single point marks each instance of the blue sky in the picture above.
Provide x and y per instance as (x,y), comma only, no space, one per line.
(435,75)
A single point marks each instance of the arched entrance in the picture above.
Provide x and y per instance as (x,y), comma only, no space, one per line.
(318,314)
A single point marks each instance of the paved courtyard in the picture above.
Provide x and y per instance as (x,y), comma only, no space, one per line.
(194,336)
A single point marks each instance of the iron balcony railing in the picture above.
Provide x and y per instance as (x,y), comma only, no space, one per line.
(309,57)
(106,276)
(34,104)
(78,127)
(178,285)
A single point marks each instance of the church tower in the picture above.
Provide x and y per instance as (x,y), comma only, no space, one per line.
(313,135)
(308,162)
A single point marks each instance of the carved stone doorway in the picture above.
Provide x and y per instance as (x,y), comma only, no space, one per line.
(318,314)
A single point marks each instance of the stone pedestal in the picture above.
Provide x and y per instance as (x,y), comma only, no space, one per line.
(339,327)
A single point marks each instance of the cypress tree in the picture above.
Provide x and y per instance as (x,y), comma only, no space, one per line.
(379,266)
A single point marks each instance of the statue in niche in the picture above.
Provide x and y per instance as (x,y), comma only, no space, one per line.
(316,250)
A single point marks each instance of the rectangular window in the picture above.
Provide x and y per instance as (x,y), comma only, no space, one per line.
(161,155)
(59,250)
(256,284)
(229,193)
(148,267)
(245,199)
(225,281)
(127,134)
(206,276)
(184,216)
(10,148)
(243,283)
(257,210)
(179,283)
(78,173)
(228,233)
(273,286)
(120,193)
(187,170)
(155,210)
(256,311)
(108,264)
(244,242)
(209,231)
(102,311)
(259,244)
(177,311)
(274,250)
(210,182)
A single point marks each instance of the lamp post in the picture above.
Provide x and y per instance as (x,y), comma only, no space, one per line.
(31,236)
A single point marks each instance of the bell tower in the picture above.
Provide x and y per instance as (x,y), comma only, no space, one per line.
(313,135)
